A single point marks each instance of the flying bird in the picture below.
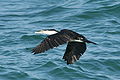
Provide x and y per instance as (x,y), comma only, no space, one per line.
(76,43)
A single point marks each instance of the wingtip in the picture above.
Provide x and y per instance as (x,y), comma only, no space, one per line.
(36,52)
(33,52)
(68,63)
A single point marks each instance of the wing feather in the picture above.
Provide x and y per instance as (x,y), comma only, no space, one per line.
(54,40)
(73,51)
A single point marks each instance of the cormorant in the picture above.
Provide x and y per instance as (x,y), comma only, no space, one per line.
(75,48)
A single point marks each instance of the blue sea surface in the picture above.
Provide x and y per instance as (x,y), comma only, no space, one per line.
(98,20)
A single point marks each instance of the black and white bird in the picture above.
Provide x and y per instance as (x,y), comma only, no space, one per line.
(75,48)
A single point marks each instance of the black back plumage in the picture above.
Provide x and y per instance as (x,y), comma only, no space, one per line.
(55,40)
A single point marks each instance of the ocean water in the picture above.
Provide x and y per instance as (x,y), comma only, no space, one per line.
(98,20)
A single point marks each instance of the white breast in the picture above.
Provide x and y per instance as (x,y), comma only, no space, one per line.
(76,41)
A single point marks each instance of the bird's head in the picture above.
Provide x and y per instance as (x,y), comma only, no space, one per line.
(47,31)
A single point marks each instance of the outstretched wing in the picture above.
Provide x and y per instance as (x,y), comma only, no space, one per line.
(73,51)
(54,40)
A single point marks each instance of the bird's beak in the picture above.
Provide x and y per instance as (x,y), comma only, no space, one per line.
(90,42)
(39,32)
